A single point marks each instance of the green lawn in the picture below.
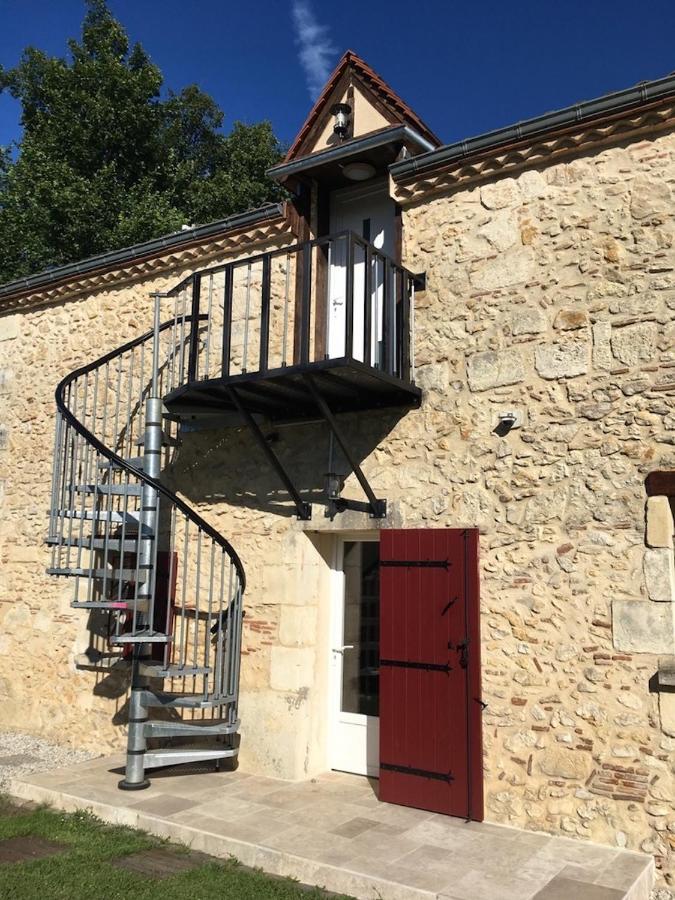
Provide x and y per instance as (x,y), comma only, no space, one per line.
(85,870)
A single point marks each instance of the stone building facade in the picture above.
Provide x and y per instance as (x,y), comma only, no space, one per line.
(550,299)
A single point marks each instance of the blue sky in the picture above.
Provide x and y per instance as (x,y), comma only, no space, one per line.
(464,67)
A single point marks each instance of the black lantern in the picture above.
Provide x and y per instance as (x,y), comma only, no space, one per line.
(342,113)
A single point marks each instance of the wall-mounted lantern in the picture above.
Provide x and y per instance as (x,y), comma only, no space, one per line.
(342,113)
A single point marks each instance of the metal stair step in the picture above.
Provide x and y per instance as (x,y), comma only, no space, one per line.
(140,606)
(97,660)
(108,490)
(181,701)
(157,670)
(157,729)
(110,574)
(152,759)
(136,462)
(113,544)
(142,637)
(102,515)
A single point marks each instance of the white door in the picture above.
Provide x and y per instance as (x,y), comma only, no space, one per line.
(370,213)
(355,655)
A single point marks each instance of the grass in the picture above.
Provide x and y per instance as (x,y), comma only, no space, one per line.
(85,871)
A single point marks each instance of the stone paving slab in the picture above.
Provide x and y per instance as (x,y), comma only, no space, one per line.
(26,849)
(158,863)
(334,832)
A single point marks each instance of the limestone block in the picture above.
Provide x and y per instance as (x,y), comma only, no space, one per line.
(4,437)
(559,762)
(527,320)
(511,267)
(494,369)
(297,626)
(562,360)
(641,627)
(6,377)
(634,344)
(500,194)
(659,522)
(9,327)
(602,353)
(501,231)
(291,669)
(571,319)
(659,572)
(434,377)
(667,712)
(649,198)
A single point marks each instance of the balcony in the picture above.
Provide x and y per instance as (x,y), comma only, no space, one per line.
(325,321)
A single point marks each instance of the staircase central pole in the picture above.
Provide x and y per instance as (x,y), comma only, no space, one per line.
(134,778)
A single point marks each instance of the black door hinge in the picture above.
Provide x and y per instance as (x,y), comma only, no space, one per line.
(421,773)
(425,666)
(416,563)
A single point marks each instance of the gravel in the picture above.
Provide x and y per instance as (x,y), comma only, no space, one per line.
(21,754)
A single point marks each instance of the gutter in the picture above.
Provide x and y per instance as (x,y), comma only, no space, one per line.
(618,101)
(149,248)
(349,149)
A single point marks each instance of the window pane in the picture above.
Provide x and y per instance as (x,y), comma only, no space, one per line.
(361,628)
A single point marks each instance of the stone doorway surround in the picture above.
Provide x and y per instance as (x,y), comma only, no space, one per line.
(334,832)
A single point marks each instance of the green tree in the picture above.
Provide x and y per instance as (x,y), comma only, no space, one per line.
(105,161)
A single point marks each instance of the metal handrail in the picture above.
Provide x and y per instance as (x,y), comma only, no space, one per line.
(289,248)
(185,508)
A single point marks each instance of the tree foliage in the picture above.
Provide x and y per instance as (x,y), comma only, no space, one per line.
(105,161)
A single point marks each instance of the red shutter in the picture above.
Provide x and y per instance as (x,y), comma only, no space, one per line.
(430,709)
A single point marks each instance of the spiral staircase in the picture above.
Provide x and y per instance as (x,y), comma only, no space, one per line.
(295,334)
(164,589)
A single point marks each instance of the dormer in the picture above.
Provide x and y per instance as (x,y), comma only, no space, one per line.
(355,130)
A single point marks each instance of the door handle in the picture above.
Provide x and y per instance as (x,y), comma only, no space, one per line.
(342,649)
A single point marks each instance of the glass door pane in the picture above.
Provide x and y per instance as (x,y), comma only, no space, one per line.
(361,628)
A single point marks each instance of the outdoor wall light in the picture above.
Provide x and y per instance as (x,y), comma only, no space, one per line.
(506,421)
(358,171)
(342,113)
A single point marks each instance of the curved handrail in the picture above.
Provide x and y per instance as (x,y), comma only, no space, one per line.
(119,461)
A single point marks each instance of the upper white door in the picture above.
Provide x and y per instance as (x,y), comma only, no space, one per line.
(370,213)
(355,658)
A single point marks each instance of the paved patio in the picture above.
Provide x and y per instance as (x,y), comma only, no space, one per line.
(334,832)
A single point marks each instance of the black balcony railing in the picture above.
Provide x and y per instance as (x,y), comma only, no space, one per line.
(337,297)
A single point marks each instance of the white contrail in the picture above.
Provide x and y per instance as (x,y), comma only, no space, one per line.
(316,49)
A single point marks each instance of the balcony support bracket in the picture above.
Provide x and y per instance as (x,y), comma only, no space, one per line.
(376,507)
(304,510)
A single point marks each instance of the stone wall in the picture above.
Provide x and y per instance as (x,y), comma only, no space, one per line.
(551,296)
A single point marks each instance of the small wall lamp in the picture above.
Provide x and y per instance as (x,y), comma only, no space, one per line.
(342,113)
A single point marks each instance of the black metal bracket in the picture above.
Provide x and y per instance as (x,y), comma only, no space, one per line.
(340,504)
(421,773)
(376,507)
(424,666)
(304,509)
